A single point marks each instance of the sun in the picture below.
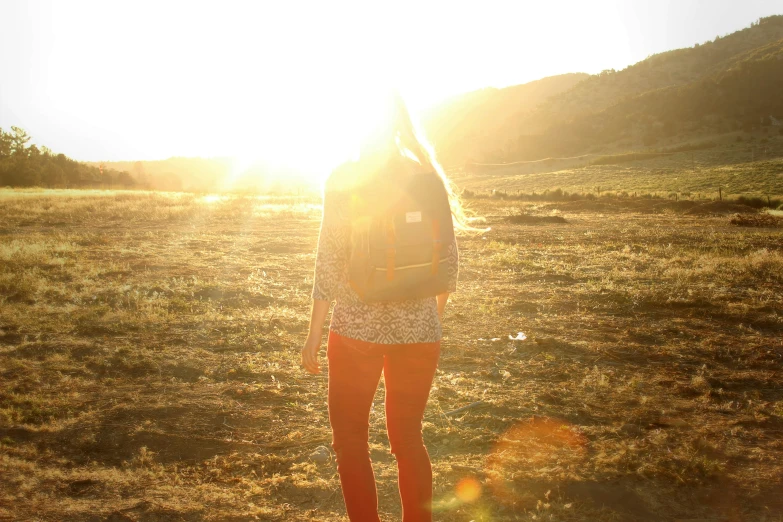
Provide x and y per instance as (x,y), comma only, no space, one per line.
(307,139)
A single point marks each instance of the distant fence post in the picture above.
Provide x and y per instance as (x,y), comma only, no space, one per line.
(720,194)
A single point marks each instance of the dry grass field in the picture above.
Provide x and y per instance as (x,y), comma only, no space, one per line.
(149,364)
(738,168)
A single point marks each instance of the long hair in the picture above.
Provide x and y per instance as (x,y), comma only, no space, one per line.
(398,146)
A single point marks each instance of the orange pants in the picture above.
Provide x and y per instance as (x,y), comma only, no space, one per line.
(354,372)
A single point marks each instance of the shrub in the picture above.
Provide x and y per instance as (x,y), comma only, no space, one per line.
(761,220)
(757,202)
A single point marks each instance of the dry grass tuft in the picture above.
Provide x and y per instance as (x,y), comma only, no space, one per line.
(760,220)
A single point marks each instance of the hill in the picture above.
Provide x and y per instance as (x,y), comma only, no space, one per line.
(742,94)
(721,86)
(464,126)
(664,70)
(23,164)
(722,95)
(177,173)
(212,174)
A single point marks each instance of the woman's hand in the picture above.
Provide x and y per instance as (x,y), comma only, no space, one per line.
(313,342)
(442,300)
(310,354)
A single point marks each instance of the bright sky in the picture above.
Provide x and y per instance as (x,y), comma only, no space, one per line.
(292,82)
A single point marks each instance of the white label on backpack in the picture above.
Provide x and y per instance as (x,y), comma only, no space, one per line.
(413,217)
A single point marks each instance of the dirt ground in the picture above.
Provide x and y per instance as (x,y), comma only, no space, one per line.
(149,365)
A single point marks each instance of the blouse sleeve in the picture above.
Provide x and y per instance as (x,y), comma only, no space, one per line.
(452,265)
(332,255)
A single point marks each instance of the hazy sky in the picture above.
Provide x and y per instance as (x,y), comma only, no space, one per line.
(293,81)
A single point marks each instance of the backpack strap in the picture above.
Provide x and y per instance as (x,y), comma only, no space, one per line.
(437,245)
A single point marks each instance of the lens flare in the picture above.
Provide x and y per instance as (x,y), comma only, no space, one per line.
(537,449)
(213,198)
(468,490)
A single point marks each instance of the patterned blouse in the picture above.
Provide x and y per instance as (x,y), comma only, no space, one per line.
(403,322)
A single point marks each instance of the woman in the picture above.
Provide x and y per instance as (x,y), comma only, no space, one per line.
(400,339)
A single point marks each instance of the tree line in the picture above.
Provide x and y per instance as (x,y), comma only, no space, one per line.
(27,165)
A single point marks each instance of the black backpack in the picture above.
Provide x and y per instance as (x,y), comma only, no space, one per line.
(400,237)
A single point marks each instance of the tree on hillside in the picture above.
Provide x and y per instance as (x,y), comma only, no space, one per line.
(19,139)
(5,144)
